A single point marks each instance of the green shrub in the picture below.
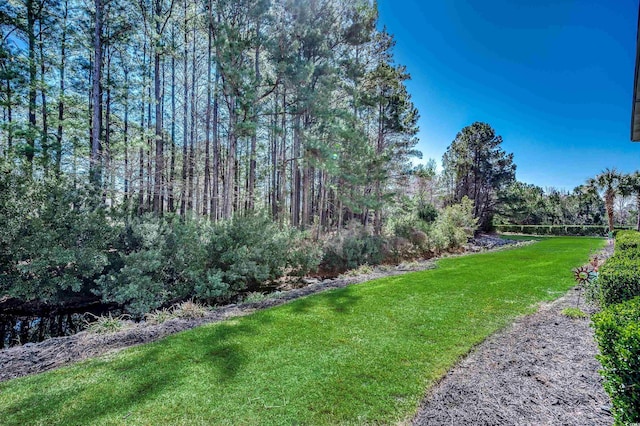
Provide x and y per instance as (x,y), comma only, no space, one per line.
(619,277)
(454,226)
(628,243)
(351,248)
(54,239)
(162,261)
(617,331)
(427,213)
(252,250)
(618,280)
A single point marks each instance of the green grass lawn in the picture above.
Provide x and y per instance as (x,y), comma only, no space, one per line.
(363,354)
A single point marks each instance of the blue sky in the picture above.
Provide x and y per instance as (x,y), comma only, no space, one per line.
(553,77)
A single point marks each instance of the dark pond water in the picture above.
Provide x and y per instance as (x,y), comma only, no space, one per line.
(25,327)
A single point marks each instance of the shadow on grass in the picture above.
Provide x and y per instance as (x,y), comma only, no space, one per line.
(126,384)
(340,301)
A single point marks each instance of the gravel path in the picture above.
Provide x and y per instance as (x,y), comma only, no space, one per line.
(540,371)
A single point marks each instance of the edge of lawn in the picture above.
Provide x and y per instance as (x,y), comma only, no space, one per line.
(334,378)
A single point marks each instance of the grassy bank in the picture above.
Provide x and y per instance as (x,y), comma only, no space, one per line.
(363,354)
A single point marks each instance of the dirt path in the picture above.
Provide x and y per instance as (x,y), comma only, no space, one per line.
(540,371)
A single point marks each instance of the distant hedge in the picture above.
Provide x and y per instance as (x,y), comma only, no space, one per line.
(559,230)
(617,330)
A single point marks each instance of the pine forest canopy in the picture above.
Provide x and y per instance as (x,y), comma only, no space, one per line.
(214,107)
(475,166)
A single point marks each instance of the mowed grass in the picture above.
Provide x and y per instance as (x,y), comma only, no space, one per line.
(361,355)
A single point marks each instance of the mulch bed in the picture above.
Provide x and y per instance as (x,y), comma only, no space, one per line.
(540,371)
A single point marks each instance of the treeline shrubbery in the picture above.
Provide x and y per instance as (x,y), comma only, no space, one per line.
(162,261)
(55,239)
(417,232)
(59,242)
(558,230)
(617,327)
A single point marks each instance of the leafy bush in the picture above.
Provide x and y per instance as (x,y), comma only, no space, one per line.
(164,261)
(160,262)
(619,278)
(55,239)
(251,250)
(617,331)
(628,243)
(351,248)
(454,226)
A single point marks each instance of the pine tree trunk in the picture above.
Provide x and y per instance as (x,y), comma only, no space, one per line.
(191,176)
(172,168)
(207,142)
(142,136)
(215,197)
(108,184)
(43,96)
(273,190)
(295,172)
(9,120)
(282,184)
(229,177)
(95,161)
(31,39)
(127,169)
(185,118)
(63,43)
(150,141)
(157,92)
(254,136)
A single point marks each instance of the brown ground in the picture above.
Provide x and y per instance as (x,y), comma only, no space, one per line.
(540,371)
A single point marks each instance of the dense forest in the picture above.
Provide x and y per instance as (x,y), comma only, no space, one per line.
(157,151)
(209,108)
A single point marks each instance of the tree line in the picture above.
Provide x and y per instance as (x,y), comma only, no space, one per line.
(209,107)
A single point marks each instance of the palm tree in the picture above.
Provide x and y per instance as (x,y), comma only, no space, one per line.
(630,185)
(607,182)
